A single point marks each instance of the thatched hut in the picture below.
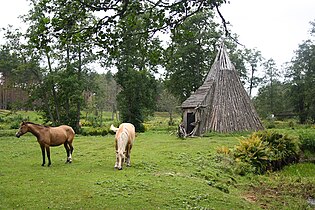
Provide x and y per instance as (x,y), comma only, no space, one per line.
(221,104)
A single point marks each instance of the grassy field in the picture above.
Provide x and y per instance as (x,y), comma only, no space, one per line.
(166,173)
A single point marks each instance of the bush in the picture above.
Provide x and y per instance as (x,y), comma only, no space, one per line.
(255,152)
(307,141)
(94,131)
(267,150)
(285,149)
(15,125)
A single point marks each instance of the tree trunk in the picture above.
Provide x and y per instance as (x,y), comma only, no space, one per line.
(78,102)
(54,92)
(251,81)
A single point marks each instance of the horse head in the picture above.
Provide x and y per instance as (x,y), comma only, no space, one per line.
(120,156)
(22,130)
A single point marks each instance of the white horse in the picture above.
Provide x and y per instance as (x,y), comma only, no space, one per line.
(125,136)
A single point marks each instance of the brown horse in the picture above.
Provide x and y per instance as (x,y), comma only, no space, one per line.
(49,136)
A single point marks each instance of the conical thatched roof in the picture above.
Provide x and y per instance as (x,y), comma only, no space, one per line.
(228,105)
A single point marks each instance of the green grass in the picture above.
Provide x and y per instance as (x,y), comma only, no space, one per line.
(166,173)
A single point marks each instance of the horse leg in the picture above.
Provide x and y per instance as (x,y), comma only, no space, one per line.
(48,155)
(43,154)
(116,147)
(128,155)
(117,160)
(70,153)
(67,150)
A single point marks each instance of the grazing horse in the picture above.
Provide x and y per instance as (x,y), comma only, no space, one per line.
(125,136)
(49,136)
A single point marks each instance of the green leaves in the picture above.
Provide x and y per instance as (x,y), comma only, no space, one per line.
(267,150)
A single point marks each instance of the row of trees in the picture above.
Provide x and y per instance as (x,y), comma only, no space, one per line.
(291,94)
(52,59)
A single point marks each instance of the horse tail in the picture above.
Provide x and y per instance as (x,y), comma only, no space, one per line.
(113,128)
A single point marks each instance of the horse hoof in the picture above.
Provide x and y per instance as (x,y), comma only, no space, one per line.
(43,164)
(119,168)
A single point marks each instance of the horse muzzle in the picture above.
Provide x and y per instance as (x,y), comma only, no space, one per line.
(18,134)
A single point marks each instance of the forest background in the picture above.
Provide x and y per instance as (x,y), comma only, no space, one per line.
(50,67)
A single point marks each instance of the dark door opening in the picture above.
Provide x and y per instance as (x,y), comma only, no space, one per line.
(190,120)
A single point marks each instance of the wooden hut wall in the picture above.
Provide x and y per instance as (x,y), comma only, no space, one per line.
(232,109)
(205,112)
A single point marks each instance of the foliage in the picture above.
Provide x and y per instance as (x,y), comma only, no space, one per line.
(190,54)
(137,97)
(301,77)
(281,104)
(150,16)
(268,150)
(169,103)
(254,59)
(255,152)
(307,139)
(53,37)
(92,131)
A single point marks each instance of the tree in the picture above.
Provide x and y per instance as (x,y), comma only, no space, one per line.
(271,75)
(190,54)
(301,76)
(137,98)
(19,68)
(157,16)
(54,35)
(281,104)
(136,58)
(62,33)
(192,51)
(254,58)
(169,103)
(105,93)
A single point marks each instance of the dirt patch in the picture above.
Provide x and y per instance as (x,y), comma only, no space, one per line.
(267,195)
(250,198)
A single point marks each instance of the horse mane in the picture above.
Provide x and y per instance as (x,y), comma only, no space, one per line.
(28,122)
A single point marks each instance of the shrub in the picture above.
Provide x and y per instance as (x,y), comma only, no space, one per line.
(15,125)
(94,131)
(307,141)
(224,150)
(267,150)
(255,152)
(285,149)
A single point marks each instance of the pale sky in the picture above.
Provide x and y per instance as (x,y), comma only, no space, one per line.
(275,27)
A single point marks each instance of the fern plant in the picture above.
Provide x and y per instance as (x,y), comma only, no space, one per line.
(267,150)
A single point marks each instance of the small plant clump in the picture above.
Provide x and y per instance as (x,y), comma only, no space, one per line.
(90,131)
(267,151)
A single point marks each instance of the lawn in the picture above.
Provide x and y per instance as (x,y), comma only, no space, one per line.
(166,173)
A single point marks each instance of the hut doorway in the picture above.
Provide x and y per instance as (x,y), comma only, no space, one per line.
(190,122)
